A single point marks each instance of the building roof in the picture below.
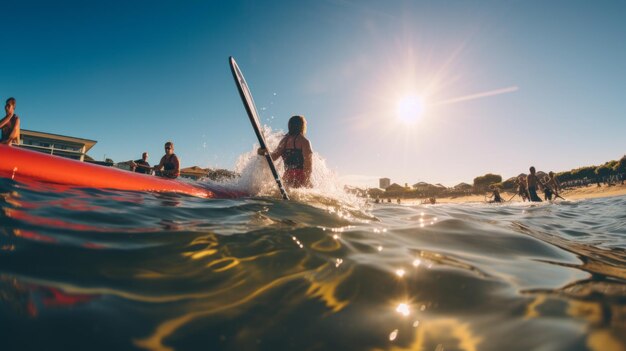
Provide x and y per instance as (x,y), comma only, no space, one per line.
(69,139)
(424,186)
(395,186)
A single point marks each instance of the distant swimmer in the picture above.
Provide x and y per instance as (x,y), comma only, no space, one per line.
(295,150)
(10,124)
(532,184)
(169,167)
(141,165)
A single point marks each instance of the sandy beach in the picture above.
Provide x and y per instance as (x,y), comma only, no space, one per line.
(592,191)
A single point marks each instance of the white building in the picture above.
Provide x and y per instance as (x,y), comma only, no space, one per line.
(54,144)
(384,183)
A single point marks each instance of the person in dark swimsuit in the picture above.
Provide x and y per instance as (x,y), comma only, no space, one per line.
(547,192)
(295,150)
(495,196)
(169,167)
(521,189)
(142,165)
(551,187)
(10,124)
(532,184)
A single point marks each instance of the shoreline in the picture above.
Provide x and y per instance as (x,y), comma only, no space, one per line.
(590,192)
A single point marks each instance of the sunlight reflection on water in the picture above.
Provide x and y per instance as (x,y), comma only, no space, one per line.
(264,274)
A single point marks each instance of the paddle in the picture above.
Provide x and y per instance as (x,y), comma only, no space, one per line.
(556,194)
(248,103)
(137,165)
(142,166)
(492,195)
(514,195)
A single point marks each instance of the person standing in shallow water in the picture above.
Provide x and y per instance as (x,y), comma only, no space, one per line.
(10,124)
(495,195)
(551,187)
(532,184)
(295,150)
(169,167)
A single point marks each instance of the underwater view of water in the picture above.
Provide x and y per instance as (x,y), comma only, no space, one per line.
(87,269)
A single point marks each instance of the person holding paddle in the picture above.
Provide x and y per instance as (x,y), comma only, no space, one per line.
(169,167)
(295,150)
(521,189)
(495,195)
(532,185)
(142,165)
(551,187)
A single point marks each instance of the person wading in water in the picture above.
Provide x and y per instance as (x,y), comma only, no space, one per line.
(495,195)
(532,184)
(521,189)
(295,150)
(551,187)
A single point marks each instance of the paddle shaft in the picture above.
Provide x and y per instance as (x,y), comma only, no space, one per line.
(252,115)
(143,166)
(514,195)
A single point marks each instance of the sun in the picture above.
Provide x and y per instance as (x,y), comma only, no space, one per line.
(410,108)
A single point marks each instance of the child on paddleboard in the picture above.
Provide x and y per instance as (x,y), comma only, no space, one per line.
(295,150)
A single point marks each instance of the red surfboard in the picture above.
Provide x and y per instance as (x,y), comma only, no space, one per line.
(26,165)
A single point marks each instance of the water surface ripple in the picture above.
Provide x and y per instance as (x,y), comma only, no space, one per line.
(86,269)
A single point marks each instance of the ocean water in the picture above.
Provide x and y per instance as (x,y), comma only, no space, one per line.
(85,269)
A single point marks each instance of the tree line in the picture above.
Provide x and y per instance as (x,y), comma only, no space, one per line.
(614,168)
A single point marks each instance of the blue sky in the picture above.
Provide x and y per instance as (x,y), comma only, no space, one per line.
(134,74)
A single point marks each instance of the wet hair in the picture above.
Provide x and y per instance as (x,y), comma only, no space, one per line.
(532,169)
(11,101)
(297,125)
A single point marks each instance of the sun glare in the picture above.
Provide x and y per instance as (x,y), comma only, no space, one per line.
(410,109)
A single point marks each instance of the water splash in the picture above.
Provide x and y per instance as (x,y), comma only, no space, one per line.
(327,191)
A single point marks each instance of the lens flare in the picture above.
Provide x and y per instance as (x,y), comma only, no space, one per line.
(410,109)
